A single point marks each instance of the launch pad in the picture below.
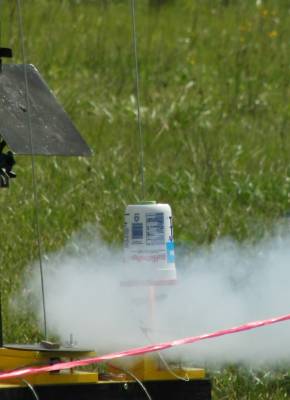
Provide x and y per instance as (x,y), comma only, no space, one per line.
(34,123)
(112,384)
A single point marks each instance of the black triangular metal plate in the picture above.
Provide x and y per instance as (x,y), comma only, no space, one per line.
(53,133)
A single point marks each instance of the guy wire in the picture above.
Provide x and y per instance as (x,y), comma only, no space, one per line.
(1,10)
(137,81)
(34,177)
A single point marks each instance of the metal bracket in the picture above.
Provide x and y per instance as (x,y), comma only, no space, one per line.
(5,52)
(6,164)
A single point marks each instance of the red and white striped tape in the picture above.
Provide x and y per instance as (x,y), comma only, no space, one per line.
(139,350)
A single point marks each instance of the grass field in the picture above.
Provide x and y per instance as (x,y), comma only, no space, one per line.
(215,99)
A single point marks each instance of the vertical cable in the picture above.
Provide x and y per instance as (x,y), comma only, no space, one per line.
(1,10)
(137,80)
(34,177)
(1,324)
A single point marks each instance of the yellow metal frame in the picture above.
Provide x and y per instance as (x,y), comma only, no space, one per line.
(11,359)
(149,367)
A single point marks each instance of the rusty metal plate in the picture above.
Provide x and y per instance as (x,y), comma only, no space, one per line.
(53,133)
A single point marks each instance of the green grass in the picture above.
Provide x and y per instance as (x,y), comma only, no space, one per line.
(240,383)
(216,117)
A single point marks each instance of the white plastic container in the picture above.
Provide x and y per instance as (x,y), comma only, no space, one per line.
(148,244)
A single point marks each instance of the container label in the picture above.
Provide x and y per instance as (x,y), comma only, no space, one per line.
(155,229)
(170,252)
(137,232)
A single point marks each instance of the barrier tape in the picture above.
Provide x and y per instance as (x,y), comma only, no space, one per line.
(139,350)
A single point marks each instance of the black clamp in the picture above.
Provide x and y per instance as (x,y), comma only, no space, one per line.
(6,164)
(5,52)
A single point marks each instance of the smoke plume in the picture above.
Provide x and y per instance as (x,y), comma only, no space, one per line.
(219,286)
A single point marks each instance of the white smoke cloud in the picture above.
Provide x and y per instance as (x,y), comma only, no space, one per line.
(219,286)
